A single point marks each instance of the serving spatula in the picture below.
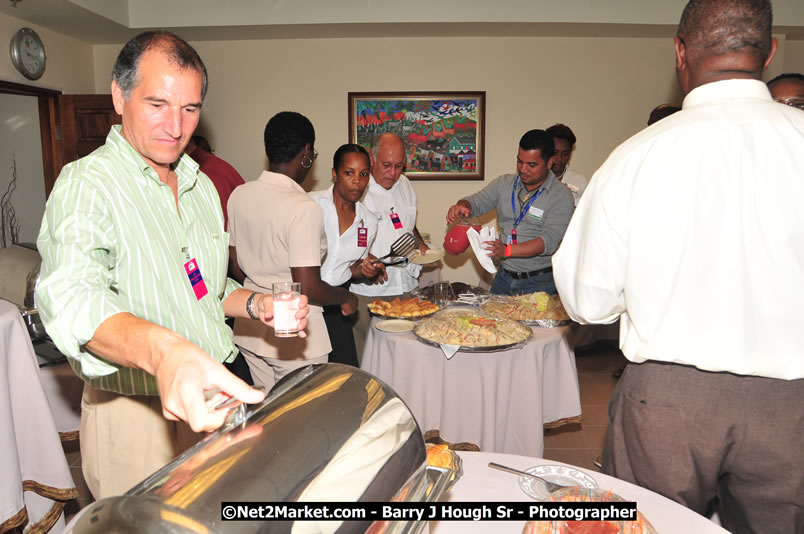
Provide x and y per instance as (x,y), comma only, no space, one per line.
(400,250)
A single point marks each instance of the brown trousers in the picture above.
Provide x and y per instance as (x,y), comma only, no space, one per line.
(694,436)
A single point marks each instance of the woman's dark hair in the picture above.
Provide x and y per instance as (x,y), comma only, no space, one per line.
(562,131)
(348,148)
(286,134)
(178,51)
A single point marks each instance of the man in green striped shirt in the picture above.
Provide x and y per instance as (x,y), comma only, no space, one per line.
(133,286)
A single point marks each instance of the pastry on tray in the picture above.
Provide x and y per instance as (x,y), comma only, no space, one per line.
(439,456)
(407,308)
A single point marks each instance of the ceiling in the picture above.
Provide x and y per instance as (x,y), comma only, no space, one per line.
(115,21)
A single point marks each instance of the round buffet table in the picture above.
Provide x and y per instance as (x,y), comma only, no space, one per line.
(499,401)
(36,480)
(482,483)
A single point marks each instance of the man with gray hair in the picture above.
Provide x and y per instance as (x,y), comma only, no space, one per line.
(133,287)
(692,235)
(392,198)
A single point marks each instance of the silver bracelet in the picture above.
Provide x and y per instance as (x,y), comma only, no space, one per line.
(249,302)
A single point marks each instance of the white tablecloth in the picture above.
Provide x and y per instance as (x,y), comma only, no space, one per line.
(35,477)
(482,483)
(499,401)
(63,389)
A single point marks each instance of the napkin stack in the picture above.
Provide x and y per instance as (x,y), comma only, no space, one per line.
(476,239)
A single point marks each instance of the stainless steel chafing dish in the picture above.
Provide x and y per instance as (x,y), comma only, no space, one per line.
(325,433)
(19,265)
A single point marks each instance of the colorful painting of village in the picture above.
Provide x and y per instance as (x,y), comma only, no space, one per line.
(441,135)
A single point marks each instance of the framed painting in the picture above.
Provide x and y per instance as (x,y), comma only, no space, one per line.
(443,131)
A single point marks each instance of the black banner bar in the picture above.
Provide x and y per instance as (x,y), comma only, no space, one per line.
(440,511)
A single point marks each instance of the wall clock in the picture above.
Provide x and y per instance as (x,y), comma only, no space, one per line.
(28,53)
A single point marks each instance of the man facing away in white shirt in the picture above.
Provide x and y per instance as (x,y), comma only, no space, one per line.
(692,233)
(391,197)
(564,141)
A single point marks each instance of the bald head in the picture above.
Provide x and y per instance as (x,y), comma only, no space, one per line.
(388,159)
(723,39)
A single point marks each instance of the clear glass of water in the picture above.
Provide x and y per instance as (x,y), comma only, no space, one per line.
(286,304)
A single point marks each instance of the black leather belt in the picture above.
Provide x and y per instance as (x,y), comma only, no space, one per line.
(529,274)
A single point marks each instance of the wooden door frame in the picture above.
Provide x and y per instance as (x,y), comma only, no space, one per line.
(48,126)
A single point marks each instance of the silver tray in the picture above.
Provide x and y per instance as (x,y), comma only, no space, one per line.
(546,323)
(493,348)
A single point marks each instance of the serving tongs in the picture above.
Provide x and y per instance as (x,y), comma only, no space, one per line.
(400,250)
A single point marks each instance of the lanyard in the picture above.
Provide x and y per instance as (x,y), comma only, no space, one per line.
(518,218)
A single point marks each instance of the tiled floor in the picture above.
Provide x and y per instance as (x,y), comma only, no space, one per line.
(577,444)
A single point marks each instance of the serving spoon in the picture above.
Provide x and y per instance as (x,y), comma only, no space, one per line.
(551,486)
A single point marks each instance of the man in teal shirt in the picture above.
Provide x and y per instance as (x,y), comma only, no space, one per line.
(133,287)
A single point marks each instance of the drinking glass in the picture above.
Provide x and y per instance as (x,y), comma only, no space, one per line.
(286,304)
(443,294)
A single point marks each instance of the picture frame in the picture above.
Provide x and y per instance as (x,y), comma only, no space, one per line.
(443,132)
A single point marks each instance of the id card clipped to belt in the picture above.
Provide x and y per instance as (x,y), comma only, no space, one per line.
(194,274)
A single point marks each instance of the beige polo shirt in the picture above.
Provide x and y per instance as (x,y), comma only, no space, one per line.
(275,226)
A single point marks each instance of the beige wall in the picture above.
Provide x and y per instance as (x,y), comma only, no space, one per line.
(793,57)
(603,88)
(69,61)
(19,137)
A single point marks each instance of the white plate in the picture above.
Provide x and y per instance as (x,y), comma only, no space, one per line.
(557,474)
(431,256)
(395,326)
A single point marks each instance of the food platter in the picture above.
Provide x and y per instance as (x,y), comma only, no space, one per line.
(583,494)
(497,348)
(535,309)
(454,466)
(410,308)
(471,331)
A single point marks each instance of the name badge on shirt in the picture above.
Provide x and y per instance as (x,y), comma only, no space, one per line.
(396,221)
(362,236)
(535,212)
(196,280)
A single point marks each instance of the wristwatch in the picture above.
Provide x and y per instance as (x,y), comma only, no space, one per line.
(249,303)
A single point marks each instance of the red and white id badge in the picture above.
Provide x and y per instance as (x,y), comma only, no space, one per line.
(196,280)
(396,221)
(513,236)
(362,236)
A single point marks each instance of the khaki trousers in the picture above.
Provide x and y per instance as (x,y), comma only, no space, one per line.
(268,371)
(125,438)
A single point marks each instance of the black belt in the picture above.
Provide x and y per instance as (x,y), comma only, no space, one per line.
(529,274)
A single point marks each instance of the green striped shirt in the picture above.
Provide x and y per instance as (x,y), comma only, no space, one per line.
(112,241)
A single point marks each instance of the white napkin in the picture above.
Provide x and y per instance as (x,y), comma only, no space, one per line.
(487,233)
(449,350)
